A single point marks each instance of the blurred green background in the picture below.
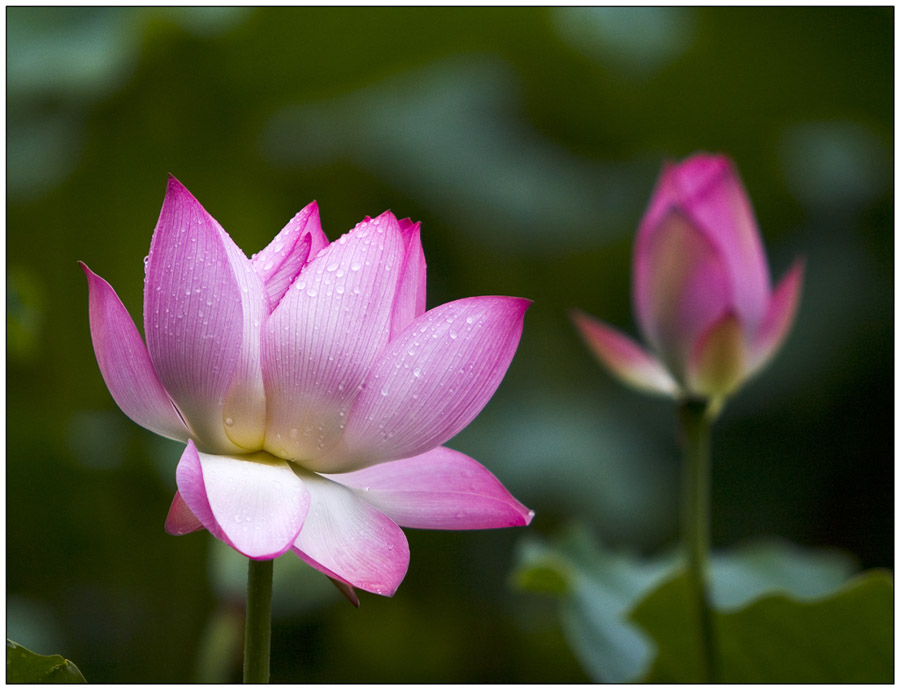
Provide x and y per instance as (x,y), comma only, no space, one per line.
(527,141)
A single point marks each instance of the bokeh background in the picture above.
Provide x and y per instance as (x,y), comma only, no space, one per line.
(527,141)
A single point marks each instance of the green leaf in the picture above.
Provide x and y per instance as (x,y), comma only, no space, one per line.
(24,666)
(846,637)
(743,574)
(599,587)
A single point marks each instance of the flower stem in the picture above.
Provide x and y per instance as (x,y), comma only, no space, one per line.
(695,425)
(258,628)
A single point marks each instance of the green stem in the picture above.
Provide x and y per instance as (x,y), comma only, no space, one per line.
(695,426)
(258,628)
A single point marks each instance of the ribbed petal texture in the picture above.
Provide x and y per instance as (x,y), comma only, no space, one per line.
(431,381)
(322,338)
(440,489)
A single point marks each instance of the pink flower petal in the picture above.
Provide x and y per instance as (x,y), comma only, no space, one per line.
(281,261)
(344,588)
(255,504)
(125,364)
(180,519)
(717,363)
(430,382)
(321,340)
(348,539)
(440,489)
(681,287)
(203,306)
(711,192)
(624,357)
(779,318)
(410,300)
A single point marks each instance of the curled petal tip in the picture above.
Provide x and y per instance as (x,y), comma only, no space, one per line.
(180,519)
(347,590)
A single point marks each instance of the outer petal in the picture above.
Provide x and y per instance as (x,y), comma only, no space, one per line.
(203,308)
(681,287)
(349,540)
(125,364)
(322,338)
(281,261)
(779,318)
(624,357)
(714,197)
(430,382)
(707,190)
(440,489)
(344,588)
(718,361)
(410,300)
(255,504)
(180,519)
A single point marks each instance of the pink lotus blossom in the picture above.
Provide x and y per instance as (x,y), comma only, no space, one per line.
(701,289)
(312,387)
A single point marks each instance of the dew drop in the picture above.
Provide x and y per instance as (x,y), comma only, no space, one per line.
(453,335)
(355,266)
(312,292)
(229,421)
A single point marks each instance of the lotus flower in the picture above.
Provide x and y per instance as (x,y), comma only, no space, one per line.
(701,289)
(312,388)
